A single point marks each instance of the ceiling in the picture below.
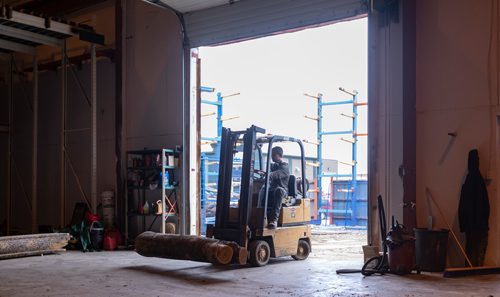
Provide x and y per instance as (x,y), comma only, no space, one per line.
(184,6)
(50,7)
(53,8)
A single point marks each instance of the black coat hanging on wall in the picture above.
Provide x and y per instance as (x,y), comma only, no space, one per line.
(474,211)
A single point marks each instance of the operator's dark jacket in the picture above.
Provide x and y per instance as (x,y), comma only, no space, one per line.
(280,173)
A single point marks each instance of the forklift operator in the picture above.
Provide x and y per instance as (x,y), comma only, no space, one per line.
(278,187)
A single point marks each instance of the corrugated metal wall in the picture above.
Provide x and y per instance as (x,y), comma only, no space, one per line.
(251,19)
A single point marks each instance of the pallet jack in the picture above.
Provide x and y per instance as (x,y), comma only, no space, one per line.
(245,222)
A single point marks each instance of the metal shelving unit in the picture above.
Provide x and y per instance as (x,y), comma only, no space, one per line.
(148,174)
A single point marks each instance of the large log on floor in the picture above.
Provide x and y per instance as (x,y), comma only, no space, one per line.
(189,247)
(33,244)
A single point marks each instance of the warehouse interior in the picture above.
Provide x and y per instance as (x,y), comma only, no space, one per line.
(83,83)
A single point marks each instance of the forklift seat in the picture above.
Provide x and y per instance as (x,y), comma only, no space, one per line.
(292,186)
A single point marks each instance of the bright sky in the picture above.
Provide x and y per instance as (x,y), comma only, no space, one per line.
(273,73)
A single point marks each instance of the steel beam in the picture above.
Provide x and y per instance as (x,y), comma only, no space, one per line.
(336,132)
(39,23)
(17,47)
(337,102)
(30,36)
(211,102)
(207,89)
(327,174)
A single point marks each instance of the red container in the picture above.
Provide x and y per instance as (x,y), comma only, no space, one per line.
(109,243)
(112,239)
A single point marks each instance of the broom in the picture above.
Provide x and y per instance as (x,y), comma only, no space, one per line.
(462,271)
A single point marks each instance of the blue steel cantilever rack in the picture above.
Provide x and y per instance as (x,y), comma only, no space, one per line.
(354,133)
(206,158)
(215,156)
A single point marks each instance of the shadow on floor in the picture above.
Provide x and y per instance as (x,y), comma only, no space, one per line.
(200,274)
(188,274)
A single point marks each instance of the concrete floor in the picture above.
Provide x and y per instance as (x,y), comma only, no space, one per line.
(124,273)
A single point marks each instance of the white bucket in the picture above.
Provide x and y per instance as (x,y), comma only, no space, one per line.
(108,208)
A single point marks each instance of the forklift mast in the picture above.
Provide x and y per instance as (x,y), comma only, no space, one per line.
(225,229)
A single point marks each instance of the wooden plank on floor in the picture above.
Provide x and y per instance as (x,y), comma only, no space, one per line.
(27,254)
(33,243)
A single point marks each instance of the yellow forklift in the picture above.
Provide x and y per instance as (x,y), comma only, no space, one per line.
(244,221)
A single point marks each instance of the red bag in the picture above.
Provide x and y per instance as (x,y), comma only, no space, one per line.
(90,217)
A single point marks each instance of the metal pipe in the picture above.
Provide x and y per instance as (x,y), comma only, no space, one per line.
(313,164)
(210,102)
(208,114)
(206,89)
(347,163)
(311,118)
(228,118)
(348,140)
(312,96)
(231,95)
(314,142)
(347,115)
(10,141)
(338,102)
(62,139)
(327,174)
(336,132)
(352,93)
(34,172)
(93,154)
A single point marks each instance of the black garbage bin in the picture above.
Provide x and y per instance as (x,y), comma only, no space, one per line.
(430,246)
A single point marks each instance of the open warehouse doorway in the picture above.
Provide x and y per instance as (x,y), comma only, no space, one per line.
(299,84)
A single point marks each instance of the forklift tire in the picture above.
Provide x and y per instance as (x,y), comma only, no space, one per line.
(260,252)
(303,250)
